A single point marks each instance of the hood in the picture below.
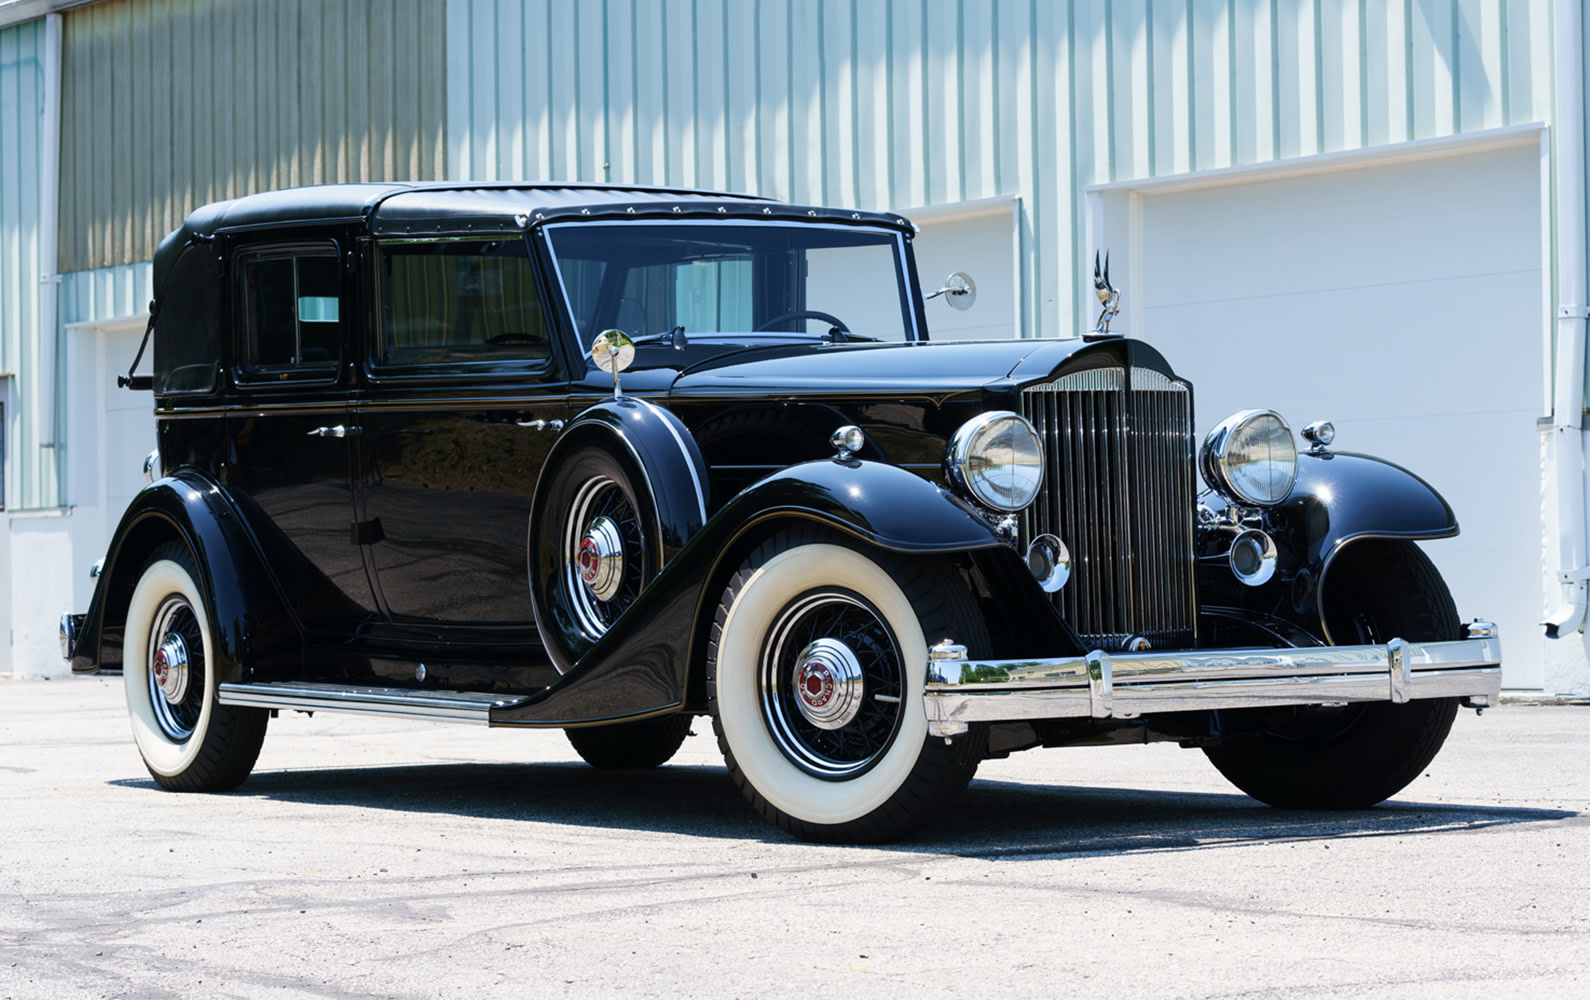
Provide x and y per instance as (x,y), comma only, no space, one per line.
(830,368)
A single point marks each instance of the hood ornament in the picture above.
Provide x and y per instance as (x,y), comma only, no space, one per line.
(1109,298)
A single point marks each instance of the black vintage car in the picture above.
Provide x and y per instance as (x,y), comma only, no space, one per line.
(606,459)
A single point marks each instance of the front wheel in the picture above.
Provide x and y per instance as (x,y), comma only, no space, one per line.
(816,674)
(1354,755)
(188,741)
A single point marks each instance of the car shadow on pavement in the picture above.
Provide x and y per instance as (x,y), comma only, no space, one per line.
(997,820)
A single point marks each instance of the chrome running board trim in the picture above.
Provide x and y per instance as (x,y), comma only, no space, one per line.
(446,706)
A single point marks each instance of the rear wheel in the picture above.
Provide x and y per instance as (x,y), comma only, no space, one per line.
(1354,755)
(647,743)
(816,674)
(188,741)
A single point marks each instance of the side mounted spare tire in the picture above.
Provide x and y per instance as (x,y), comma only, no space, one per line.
(593,547)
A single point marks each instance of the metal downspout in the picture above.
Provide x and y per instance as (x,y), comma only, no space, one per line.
(49,246)
(1567,616)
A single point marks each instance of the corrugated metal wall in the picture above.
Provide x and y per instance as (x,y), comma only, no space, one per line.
(170,104)
(107,293)
(30,471)
(903,103)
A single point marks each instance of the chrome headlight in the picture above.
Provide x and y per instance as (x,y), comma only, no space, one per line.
(1251,458)
(996,459)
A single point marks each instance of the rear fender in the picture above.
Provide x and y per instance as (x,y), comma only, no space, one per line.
(251,629)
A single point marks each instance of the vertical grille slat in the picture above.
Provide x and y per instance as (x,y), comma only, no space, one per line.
(1119,492)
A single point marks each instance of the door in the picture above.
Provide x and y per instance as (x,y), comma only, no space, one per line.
(464,403)
(291,428)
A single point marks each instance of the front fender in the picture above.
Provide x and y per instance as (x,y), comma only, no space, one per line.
(1342,497)
(249,624)
(641,666)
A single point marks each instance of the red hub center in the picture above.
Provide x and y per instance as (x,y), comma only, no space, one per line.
(816,684)
(162,668)
(590,560)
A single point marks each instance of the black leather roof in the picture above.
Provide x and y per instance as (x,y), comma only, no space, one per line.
(430,209)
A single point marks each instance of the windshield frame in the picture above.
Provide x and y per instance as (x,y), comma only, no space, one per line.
(898,241)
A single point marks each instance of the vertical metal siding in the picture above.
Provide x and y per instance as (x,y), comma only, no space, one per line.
(107,293)
(173,103)
(30,479)
(902,103)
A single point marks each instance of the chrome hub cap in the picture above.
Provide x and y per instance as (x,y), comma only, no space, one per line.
(601,558)
(170,669)
(828,684)
(604,555)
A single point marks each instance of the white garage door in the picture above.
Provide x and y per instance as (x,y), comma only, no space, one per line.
(1402,302)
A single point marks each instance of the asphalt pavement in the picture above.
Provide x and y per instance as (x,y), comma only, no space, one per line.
(374,857)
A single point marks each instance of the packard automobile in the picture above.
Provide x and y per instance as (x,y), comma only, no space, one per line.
(607,459)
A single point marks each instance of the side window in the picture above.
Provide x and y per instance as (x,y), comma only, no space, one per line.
(290,311)
(445,304)
(187,344)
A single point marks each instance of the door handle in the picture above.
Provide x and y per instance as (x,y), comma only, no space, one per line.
(539,425)
(334,432)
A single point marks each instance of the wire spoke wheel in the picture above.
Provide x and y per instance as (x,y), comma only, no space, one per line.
(830,677)
(176,668)
(604,555)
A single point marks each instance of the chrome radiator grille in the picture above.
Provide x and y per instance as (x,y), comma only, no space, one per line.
(1118,490)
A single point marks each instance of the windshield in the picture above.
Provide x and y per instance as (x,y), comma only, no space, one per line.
(775,281)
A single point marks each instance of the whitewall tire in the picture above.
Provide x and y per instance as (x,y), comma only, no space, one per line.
(187,741)
(816,675)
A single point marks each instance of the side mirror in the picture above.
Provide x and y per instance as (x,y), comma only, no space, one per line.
(613,351)
(960,289)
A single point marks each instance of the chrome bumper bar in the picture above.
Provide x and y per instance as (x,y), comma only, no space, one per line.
(1128,685)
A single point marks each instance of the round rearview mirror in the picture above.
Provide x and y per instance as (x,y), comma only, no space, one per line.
(959,290)
(613,351)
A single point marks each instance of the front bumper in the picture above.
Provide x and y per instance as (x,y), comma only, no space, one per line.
(1128,685)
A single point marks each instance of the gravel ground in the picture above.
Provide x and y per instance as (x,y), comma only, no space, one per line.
(372,857)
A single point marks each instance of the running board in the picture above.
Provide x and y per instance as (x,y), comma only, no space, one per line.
(445,706)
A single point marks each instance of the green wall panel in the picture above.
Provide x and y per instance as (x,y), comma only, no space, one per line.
(170,104)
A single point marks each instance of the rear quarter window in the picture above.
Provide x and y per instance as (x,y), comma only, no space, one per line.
(187,337)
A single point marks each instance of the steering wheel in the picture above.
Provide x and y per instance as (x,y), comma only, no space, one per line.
(829,318)
(513,338)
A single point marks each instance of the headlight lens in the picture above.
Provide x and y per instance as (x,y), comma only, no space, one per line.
(1251,458)
(997,460)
